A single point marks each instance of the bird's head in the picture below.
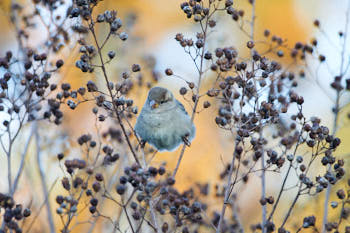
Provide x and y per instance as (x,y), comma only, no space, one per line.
(159,96)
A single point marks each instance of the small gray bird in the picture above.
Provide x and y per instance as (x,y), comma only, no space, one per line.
(164,122)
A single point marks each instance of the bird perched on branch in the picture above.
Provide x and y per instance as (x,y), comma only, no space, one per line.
(164,122)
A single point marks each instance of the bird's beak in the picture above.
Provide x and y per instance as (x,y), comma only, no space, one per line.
(153,104)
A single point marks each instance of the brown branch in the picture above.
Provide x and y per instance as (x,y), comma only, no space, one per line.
(91,27)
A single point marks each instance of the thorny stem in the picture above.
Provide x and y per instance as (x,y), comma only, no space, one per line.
(336,115)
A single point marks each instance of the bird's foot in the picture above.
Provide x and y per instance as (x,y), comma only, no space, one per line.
(185,140)
(142,145)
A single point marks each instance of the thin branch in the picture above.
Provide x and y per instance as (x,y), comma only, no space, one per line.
(200,73)
(41,206)
(153,216)
(263,191)
(280,192)
(227,192)
(287,175)
(128,218)
(336,116)
(262,177)
(291,207)
(110,91)
(43,181)
(23,157)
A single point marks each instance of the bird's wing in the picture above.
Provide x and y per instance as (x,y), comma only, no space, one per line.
(181,107)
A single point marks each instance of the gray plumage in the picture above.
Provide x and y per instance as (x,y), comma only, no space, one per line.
(163,121)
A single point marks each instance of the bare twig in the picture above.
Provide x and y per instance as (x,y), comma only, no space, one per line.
(154,217)
(291,207)
(99,49)
(200,76)
(227,192)
(41,207)
(263,190)
(23,158)
(262,177)
(128,218)
(286,176)
(336,115)
(43,181)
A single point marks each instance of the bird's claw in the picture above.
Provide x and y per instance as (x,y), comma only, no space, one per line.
(141,144)
(186,141)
